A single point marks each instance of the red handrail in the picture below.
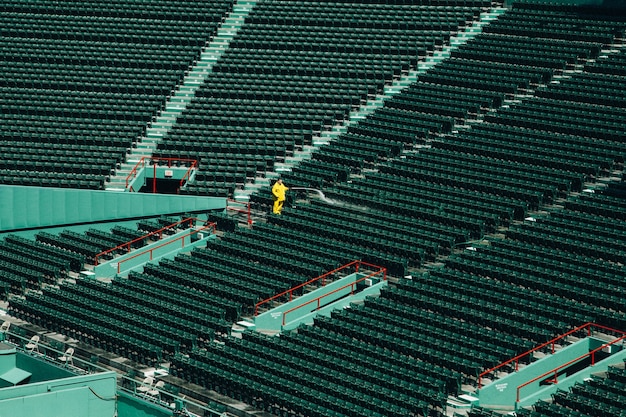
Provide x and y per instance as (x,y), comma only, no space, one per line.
(352,284)
(565,365)
(127,245)
(549,342)
(133,172)
(142,163)
(322,277)
(246,210)
(182,238)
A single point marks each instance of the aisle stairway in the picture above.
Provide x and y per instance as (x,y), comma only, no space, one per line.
(183,94)
(462,37)
(198,73)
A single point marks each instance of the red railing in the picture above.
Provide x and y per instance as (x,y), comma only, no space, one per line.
(127,245)
(556,370)
(352,285)
(355,264)
(179,238)
(245,210)
(142,164)
(551,343)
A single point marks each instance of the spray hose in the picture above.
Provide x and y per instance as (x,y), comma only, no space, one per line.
(315,190)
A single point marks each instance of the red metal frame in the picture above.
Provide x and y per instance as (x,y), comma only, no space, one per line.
(322,277)
(245,211)
(351,285)
(552,342)
(142,164)
(127,245)
(181,238)
(556,370)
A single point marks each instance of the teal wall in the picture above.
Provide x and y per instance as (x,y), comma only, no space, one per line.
(38,207)
(80,396)
(128,406)
(502,392)
(334,297)
(40,372)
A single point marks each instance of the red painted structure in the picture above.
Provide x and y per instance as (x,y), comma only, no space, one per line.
(585,327)
(354,265)
(127,246)
(193,164)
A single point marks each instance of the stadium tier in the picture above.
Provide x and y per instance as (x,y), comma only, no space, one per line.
(472,150)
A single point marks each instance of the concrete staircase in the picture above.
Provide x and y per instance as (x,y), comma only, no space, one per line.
(325,137)
(183,94)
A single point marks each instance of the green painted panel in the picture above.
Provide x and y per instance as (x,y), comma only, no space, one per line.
(373,291)
(151,253)
(327,295)
(79,396)
(502,392)
(36,207)
(128,406)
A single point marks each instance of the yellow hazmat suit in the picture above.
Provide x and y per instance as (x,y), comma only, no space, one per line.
(278,191)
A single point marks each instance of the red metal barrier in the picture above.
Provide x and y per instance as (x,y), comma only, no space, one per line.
(179,238)
(159,232)
(352,285)
(356,264)
(246,210)
(551,343)
(556,370)
(193,164)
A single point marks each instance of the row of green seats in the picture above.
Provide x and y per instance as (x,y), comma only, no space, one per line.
(143,283)
(412,249)
(487,210)
(583,266)
(539,279)
(255,280)
(492,339)
(197,323)
(465,345)
(537,303)
(449,304)
(19,277)
(231,265)
(404,119)
(223,294)
(550,179)
(582,152)
(527,191)
(353,249)
(40,265)
(99,336)
(335,370)
(497,146)
(367,361)
(175,326)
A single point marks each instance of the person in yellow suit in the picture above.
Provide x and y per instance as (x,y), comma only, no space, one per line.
(278,191)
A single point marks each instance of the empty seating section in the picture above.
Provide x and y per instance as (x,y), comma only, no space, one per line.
(569,258)
(348,377)
(566,22)
(296,68)
(442,164)
(80,82)
(561,145)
